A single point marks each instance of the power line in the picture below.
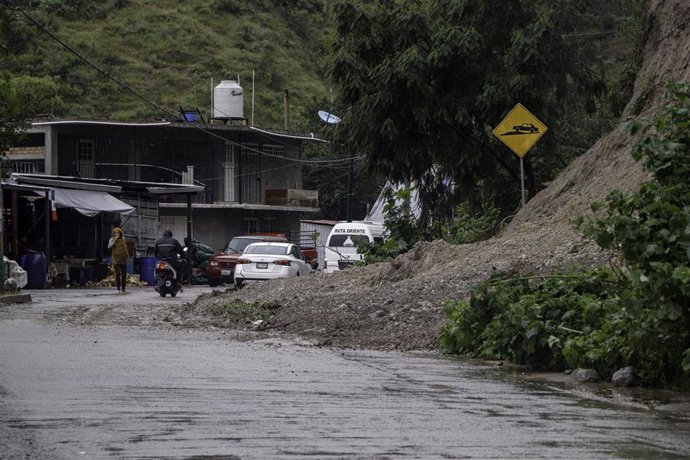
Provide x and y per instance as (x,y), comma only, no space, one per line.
(319,170)
(334,179)
(340,160)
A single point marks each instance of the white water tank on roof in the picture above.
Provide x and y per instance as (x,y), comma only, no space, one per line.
(228,101)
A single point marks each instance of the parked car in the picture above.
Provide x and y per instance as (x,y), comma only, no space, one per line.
(268,260)
(221,266)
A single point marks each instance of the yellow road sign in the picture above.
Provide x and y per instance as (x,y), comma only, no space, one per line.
(520,130)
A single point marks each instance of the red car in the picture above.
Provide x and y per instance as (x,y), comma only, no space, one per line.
(221,267)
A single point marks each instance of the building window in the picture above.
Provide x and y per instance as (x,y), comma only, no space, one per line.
(250,225)
(86,158)
(270,224)
(274,150)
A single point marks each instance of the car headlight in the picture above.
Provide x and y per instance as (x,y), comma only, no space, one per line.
(213,263)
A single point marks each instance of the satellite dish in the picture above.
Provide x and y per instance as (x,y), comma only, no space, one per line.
(328,117)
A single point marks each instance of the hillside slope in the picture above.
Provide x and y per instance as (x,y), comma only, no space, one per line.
(399,304)
(172,53)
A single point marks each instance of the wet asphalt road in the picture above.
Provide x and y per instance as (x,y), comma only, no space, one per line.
(128,392)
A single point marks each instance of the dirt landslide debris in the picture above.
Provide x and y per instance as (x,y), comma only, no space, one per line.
(399,305)
(396,305)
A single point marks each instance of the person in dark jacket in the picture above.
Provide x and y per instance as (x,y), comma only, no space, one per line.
(168,248)
(120,258)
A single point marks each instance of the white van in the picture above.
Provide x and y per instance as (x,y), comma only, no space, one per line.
(341,246)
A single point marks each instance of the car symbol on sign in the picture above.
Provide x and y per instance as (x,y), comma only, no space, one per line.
(526,128)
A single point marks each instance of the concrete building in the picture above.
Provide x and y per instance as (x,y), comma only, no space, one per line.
(251,178)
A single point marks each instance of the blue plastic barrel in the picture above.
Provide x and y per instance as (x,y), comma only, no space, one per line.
(147,269)
(36,270)
(89,273)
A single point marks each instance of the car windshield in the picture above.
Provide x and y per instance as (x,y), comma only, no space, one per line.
(344,240)
(267,249)
(237,245)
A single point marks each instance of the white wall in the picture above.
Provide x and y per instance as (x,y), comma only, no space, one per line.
(323,230)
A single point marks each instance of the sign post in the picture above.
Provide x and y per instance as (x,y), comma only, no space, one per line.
(522,180)
(520,130)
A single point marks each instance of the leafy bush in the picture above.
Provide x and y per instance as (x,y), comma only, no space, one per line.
(39,95)
(374,252)
(399,220)
(529,320)
(640,317)
(12,121)
(651,229)
(467,227)
(403,227)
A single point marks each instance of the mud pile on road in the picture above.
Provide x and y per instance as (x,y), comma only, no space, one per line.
(399,305)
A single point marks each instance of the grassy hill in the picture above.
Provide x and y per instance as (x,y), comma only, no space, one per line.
(170,52)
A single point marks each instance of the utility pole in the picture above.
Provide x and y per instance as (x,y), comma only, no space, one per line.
(350,180)
(2,236)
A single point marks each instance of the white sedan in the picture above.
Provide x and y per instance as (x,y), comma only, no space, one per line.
(267,261)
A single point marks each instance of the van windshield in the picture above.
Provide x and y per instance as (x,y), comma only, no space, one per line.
(345,240)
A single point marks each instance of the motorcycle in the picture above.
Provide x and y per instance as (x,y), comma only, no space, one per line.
(167,281)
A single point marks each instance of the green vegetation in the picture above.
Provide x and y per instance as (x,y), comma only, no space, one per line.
(405,230)
(241,313)
(168,52)
(12,118)
(424,83)
(636,314)
(530,320)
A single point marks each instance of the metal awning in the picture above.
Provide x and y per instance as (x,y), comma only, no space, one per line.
(90,196)
(106,185)
(89,202)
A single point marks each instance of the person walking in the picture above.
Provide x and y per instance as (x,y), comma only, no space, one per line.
(120,257)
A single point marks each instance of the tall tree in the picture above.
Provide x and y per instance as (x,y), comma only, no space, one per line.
(10,114)
(424,82)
